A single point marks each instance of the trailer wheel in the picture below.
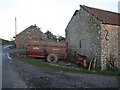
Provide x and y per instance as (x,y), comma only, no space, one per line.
(52,58)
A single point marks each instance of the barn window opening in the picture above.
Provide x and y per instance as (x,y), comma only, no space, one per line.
(80,43)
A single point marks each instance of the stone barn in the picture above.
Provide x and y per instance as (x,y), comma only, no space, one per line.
(3,41)
(95,33)
(32,33)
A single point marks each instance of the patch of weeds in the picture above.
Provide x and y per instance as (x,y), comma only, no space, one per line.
(58,67)
(53,67)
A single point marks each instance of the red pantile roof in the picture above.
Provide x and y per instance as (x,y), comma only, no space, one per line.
(106,17)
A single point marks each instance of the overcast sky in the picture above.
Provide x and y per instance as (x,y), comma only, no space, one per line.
(52,15)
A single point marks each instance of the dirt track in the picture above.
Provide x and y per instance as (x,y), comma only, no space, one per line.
(38,78)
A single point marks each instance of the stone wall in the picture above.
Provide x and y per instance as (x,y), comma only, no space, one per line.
(71,32)
(119,45)
(84,36)
(119,34)
(88,36)
(109,45)
(29,34)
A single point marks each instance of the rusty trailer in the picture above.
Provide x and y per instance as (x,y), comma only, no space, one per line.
(52,50)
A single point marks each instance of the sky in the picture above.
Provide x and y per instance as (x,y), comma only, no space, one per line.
(52,15)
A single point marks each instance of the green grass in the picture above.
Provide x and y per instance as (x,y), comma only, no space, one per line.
(56,67)
(50,66)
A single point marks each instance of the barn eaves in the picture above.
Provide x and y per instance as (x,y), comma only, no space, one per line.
(106,17)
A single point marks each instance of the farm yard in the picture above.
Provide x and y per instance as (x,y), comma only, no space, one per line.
(40,74)
(88,56)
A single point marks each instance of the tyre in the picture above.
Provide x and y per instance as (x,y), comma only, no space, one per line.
(52,58)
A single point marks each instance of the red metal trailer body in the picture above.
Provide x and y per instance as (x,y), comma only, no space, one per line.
(47,49)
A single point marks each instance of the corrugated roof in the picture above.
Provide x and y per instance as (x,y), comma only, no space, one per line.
(106,17)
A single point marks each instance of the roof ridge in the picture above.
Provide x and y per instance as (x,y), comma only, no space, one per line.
(90,12)
(30,27)
(101,9)
(105,16)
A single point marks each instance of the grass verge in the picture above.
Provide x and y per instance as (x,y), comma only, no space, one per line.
(56,67)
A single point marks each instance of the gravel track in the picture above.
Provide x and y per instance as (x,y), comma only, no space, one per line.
(36,77)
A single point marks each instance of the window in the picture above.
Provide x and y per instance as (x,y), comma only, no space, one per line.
(80,43)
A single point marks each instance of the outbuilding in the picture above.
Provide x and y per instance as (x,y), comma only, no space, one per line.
(32,33)
(95,33)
